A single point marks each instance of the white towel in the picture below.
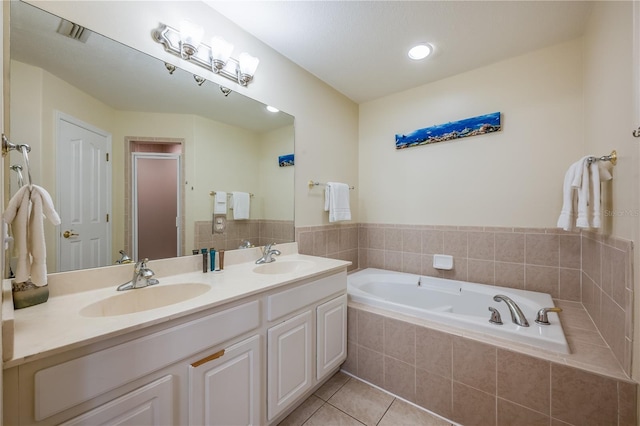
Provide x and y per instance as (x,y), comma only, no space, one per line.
(25,212)
(583,197)
(600,172)
(220,202)
(572,181)
(241,205)
(336,201)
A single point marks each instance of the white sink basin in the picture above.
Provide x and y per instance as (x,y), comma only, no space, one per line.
(144,299)
(282,267)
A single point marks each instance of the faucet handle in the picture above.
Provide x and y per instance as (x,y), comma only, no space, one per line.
(542,318)
(495,316)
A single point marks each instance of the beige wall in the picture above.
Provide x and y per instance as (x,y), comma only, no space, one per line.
(326,123)
(509,178)
(276,183)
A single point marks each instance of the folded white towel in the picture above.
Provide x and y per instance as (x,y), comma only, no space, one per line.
(25,213)
(220,202)
(337,201)
(583,197)
(572,180)
(241,205)
(600,172)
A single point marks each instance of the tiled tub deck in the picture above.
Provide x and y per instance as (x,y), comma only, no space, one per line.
(475,379)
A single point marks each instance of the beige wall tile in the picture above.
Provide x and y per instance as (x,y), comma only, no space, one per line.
(570,288)
(596,403)
(459,271)
(400,340)
(351,363)
(509,247)
(412,263)
(434,392)
(376,238)
(481,245)
(627,398)
(455,243)
(371,366)
(481,271)
(570,251)
(412,241)
(542,249)
(393,260)
(474,364)
(542,278)
(524,380)
(509,275)
(510,414)
(432,241)
(473,407)
(434,350)
(393,239)
(400,378)
(370,330)
(591,258)
(427,267)
(375,258)
(333,241)
(618,276)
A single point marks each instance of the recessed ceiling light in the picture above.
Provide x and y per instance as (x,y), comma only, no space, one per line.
(272,109)
(420,51)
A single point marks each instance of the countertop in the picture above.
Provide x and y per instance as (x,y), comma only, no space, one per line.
(57,326)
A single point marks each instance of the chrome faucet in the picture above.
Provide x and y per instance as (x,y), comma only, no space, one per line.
(142,277)
(124,258)
(542,317)
(267,253)
(516,314)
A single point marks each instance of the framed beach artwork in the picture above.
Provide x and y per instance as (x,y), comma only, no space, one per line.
(474,126)
(285,160)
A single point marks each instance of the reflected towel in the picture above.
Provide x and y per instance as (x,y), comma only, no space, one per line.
(220,202)
(572,182)
(337,201)
(241,205)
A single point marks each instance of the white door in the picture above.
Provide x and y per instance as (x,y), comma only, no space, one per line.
(289,358)
(332,335)
(156,205)
(83,188)
(225,388)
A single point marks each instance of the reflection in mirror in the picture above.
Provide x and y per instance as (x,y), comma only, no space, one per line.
(119,137)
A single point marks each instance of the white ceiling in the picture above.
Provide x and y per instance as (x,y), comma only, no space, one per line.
(359,47)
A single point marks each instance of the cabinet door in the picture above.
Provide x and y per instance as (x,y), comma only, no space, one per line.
(331,336)
(150,405)
(224,388)
(289,370)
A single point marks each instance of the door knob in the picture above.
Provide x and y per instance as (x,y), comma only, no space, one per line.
(68,234)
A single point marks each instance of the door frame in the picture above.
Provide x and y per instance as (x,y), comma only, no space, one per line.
(134,198)
(60,116)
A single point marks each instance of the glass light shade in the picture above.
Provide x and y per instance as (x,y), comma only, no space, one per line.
(191,34)
(248,64)
(220,49)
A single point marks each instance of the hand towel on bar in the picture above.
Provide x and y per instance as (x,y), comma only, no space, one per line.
(241,205)
(600,172)
(220,202)
(337,198)
(583,197)
(25,213)
(572,181)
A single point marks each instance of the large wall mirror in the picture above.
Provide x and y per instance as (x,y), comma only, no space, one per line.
(132,152)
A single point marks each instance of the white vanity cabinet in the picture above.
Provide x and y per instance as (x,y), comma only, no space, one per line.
(306,340)
(246,362)
(224,387)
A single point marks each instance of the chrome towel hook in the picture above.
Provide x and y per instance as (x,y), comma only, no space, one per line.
(636,133)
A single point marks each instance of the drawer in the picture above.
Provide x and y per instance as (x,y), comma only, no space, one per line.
(288,301)
(64,385)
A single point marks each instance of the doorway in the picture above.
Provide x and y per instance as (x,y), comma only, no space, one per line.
(156,211)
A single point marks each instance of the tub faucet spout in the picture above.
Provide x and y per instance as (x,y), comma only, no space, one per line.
(516,314)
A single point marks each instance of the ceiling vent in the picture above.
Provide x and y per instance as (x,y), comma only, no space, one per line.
(74,31)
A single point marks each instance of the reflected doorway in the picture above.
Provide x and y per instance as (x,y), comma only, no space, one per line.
(156,211)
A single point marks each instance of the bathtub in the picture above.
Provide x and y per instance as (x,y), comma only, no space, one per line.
(459,304)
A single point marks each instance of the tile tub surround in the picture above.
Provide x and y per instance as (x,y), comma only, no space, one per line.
(259,232)
(333,241)
(473,382)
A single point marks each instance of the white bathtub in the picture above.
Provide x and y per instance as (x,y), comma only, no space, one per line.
(459,304)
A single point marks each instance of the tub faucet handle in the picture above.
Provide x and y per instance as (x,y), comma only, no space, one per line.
(542,318)
(495,316)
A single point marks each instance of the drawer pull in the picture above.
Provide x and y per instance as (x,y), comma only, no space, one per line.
(207,359)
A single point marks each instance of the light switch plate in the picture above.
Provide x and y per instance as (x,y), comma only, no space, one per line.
(219,224)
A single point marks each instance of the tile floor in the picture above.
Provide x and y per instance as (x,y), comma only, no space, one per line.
(345,400)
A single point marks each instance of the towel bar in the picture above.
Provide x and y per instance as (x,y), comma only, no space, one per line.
(312,184)
(613,158)
(212,193)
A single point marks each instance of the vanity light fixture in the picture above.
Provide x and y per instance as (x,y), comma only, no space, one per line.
(225,91)
(186,43)
(420,51)
(199,80)
(169,67)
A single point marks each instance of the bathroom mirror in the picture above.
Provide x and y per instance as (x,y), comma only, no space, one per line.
(218,140)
